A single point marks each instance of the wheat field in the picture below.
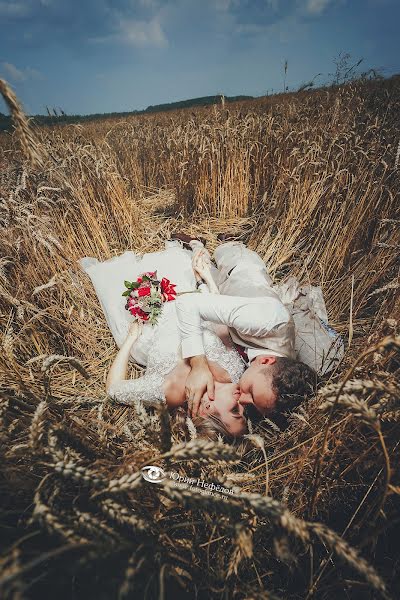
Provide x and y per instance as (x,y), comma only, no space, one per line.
(311,181)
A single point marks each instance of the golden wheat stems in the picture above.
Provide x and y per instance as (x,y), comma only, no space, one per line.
(56,359)
(126,590)
(165,423)
(37,428)
(354,406)
(94,528)
(243,548)
(202,450)
(391,416)
(44,515)
(126,483)
(360,408)
(11,585)
(193,498)
(361,385)
(267,507)
(4,405)
(397,160)
(29,143)
(259,442)
(79,473)
(349,555)
(388,342)
(122,516)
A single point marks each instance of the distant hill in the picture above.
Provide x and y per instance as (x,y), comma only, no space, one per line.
(203,101)
(5,120)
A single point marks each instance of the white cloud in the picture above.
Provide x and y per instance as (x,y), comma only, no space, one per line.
(226,5)
(223,5)
(292,25)
(13,72)
(316,7)
(286,29)
(33,73)
(136,33)
(20,74)
(142,33)
(152,4)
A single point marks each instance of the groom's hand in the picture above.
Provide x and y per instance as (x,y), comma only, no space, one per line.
(200,380)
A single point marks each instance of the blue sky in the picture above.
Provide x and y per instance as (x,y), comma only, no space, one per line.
(89,56)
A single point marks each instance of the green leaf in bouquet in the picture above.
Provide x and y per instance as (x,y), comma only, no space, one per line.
(127,283)
(126,293)
(153,318)
(135,285)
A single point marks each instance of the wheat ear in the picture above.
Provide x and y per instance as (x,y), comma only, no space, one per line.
(28,141)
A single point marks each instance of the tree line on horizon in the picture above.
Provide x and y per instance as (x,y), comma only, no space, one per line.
(62,117)
(344,73)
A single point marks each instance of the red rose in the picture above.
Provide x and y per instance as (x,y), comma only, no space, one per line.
(143,291)
(136,311)
(168,290)
(143,315)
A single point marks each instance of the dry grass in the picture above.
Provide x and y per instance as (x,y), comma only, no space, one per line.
(310,180)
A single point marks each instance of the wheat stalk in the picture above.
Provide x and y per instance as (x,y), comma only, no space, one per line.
(29,143)
(202,450)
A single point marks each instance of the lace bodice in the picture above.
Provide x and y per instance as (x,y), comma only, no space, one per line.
(148,389)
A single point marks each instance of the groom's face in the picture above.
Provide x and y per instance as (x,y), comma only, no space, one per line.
(256,385)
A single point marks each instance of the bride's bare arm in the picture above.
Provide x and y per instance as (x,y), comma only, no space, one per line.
(119,367)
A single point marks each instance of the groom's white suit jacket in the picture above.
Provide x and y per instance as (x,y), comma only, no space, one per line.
(261,325)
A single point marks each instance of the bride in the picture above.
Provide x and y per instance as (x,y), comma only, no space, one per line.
(157,348)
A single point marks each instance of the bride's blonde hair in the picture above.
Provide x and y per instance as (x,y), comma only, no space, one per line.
(210,427)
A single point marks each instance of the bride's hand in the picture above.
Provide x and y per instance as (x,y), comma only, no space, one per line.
(201,264)
(134,331)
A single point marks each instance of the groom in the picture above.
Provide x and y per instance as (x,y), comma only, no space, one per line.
(261,329)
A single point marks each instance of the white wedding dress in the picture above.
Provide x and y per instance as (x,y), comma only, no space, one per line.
(158,347)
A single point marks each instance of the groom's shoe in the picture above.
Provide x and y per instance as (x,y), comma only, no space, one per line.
(229,237)
(185,239)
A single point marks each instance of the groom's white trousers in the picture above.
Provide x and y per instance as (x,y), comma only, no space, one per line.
(241,272)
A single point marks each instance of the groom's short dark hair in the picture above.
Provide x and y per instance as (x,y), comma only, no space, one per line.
(293,381)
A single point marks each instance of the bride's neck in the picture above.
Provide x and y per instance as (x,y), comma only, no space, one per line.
(174,385)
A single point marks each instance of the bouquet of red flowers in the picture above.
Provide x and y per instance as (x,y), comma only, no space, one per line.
(146,295)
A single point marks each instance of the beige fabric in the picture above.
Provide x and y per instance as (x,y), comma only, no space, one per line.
(250,278)
(319,347)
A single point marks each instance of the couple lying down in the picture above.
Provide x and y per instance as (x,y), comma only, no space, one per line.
(239,348)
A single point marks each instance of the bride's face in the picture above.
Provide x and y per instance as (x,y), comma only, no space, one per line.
(225,406)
